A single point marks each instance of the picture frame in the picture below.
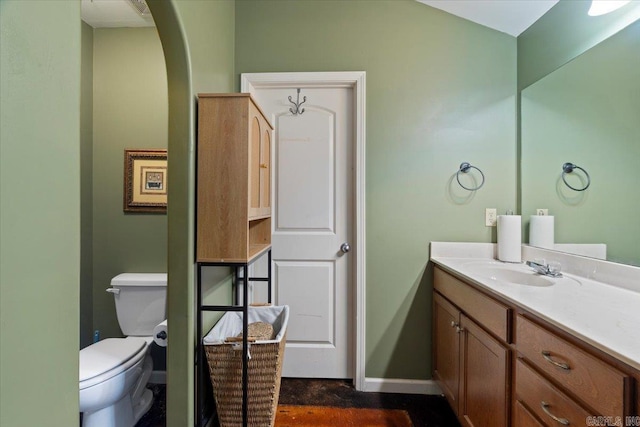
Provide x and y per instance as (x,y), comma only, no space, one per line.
(145,181)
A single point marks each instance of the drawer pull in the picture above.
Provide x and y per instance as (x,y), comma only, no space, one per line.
(545,407)
(547,357)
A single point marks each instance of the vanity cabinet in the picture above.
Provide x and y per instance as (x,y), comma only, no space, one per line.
(499,364)
(471,358)
(233,179)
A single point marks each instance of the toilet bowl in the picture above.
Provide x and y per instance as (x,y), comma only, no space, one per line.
(114,372)
(113,375)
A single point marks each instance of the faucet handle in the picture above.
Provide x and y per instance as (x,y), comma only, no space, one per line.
(554,268)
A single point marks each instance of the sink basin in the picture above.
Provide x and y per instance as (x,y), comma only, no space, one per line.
(509,274)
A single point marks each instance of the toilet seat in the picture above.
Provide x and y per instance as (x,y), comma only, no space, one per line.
(108,358)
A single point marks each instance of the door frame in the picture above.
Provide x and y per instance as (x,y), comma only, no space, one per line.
(355,80)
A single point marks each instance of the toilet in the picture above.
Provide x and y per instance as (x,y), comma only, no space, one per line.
(114,372)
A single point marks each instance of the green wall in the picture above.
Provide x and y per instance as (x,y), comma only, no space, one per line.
(130,111)
(440,90)
(39,212)
(86,188)
(563,33)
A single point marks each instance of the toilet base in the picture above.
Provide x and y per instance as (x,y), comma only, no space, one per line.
(120,414)
(143,406)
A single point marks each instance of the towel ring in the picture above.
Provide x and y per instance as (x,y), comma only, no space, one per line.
(464,168)
(570,167)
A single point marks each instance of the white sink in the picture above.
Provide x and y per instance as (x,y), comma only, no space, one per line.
(517,274)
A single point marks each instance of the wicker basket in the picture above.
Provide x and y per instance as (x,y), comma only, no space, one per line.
(264,367)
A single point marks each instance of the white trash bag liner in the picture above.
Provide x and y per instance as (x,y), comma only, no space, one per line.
(230,324)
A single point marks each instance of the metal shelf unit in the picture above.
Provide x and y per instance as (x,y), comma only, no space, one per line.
(240,277)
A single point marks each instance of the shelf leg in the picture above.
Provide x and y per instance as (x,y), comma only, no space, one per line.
(245,346)
(199,386)
(269,300)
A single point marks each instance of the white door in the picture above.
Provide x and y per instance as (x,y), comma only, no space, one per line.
(312,217)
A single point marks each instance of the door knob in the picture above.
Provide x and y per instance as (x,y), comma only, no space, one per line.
(345,247)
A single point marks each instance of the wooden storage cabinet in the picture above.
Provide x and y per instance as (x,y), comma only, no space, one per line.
(471,366)
(233,179)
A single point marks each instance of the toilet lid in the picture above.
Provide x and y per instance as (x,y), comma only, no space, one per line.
(108,354)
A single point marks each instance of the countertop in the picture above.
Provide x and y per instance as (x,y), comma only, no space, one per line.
(601,314)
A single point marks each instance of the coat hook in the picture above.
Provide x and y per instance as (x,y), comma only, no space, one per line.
(297,104)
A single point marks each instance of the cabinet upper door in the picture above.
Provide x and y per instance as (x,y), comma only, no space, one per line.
(259,165)
(265,170)
(254,164)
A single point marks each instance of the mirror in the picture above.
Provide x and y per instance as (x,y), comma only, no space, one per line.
(588,113)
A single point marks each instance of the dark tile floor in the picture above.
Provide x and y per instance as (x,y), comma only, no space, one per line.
(425,411)
(156,417)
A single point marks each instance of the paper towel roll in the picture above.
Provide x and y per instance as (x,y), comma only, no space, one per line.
(160,334)
(541,230)
(509,238)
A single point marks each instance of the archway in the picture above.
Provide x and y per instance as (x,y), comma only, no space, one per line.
(180,354)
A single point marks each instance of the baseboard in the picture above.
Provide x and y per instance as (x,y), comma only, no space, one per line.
(158,377)
(395,385)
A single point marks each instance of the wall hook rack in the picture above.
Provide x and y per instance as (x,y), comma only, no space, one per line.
(297,104)
(465,167)
(569,168)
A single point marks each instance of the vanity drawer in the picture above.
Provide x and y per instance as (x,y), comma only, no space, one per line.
(595,382)
(523,418)
(544,400)
(491,314)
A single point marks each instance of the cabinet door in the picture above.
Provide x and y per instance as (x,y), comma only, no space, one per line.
(265,169)
(484,370)
(255,148)
(446,343)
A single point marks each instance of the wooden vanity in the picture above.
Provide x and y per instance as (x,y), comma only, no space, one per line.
(499,364)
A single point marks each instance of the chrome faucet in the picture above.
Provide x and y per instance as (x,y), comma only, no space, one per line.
(546,269)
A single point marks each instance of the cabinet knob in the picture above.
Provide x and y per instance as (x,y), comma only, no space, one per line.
(459,329)
(263,165)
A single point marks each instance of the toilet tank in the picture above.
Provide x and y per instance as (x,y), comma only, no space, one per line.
(140,301)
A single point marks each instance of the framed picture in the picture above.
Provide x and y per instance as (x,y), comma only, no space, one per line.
(145,181)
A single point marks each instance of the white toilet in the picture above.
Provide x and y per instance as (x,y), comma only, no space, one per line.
(114,372)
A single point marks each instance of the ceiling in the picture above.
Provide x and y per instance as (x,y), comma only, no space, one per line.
(114,13)
(508,16)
